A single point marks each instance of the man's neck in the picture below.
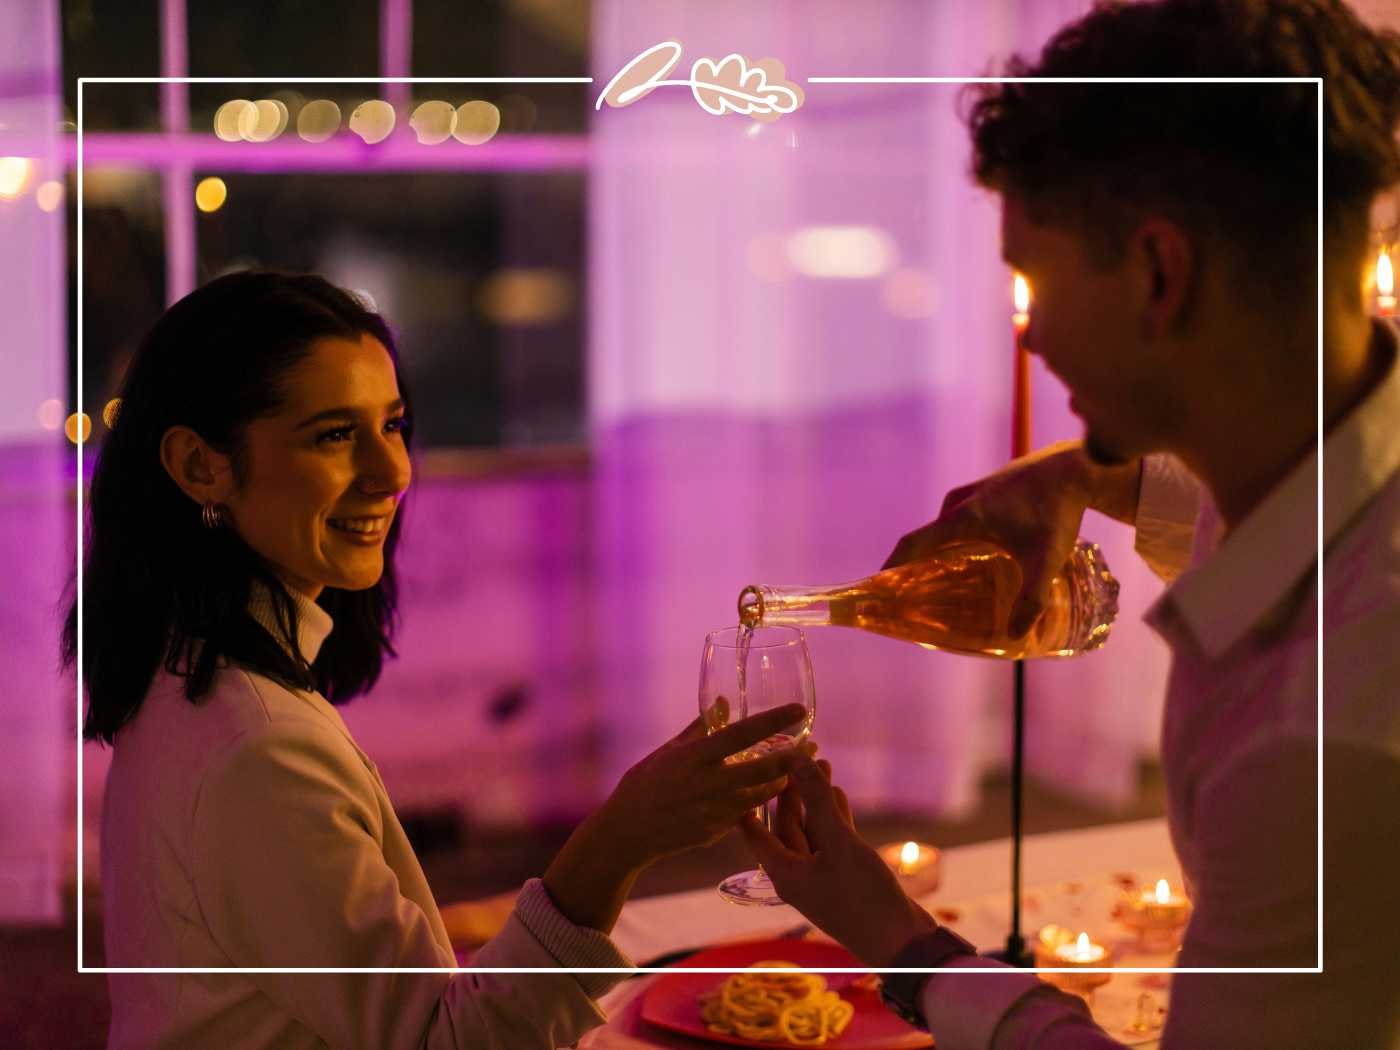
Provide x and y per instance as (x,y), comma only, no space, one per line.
(1263,432)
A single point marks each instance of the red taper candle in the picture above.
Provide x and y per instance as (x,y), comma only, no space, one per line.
(1021,371)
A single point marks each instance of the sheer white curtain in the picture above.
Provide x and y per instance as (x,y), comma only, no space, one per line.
(36,708)
(754,423)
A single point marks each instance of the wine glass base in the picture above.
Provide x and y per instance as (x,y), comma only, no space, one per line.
(751,889)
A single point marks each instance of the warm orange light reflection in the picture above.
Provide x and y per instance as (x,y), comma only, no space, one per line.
(15,173)
(433,122)
(78,427)
(318,120)
(110,411)
(210,194)
(477,123)
(1385,285)
(526,296)
(229,119)
(269,119)
(373,121)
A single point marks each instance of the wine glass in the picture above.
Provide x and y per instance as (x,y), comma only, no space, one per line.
(745,672)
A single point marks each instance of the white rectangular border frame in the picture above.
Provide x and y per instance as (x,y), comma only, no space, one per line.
(83,81)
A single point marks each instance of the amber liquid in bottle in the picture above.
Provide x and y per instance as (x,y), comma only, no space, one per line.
(959,600)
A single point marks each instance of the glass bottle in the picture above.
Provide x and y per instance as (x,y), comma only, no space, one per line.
(959,599)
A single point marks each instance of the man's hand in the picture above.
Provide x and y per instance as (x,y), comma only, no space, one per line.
(830,874)
(1032,509)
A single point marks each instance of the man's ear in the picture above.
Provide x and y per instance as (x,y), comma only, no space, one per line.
(203,473)
(1165,260)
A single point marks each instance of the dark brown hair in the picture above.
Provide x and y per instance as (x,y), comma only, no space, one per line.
(1234,163)
(160,589)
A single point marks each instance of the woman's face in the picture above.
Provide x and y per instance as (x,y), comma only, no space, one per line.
(324,476)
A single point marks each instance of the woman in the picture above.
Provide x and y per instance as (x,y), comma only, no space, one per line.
(245,511)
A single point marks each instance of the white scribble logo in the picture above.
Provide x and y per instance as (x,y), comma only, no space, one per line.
(760,89)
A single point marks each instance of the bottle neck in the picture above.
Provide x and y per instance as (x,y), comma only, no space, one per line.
(794,606)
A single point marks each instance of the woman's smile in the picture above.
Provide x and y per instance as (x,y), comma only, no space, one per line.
(363,530)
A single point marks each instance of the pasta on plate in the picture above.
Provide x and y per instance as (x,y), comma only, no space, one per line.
(767,1006)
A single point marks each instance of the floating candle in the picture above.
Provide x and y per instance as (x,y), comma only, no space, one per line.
(1047,941)
(1074,954)
(1082,952)
(1157,915)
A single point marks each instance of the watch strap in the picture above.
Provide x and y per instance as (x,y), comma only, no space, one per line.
(901,992)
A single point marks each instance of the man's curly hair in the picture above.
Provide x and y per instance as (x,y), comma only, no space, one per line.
(1235,163)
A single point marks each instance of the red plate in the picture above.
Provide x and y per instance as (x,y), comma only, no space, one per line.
(673,1001)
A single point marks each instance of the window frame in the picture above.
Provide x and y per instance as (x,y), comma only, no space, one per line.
(176,151)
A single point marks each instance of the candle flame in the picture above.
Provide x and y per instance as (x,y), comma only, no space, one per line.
(1164,892)
(1021,294)
(1081,946)
(1385,275)
(909,854)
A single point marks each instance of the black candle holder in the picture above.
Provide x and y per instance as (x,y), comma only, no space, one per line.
(1015,953)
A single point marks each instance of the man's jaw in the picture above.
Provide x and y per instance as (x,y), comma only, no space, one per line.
(1100,453)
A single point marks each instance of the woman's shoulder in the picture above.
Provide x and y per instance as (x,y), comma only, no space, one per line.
(247,725)
(241,703)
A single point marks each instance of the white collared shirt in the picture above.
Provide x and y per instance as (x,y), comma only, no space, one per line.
(1240,745)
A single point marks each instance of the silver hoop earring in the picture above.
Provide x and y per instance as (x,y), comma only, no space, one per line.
(213,515)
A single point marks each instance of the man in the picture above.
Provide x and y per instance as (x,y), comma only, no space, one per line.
(1170,233)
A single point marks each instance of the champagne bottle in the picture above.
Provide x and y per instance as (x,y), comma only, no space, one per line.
(959,599)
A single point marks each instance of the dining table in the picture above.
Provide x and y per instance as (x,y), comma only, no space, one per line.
(1073,879)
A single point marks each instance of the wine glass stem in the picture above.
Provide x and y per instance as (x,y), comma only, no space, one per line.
(765,816)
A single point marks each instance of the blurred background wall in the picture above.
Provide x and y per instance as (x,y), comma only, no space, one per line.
(657,355)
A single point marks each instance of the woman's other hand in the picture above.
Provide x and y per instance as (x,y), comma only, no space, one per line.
(683,794)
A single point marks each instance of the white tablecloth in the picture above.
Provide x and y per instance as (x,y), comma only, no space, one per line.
(1069,878)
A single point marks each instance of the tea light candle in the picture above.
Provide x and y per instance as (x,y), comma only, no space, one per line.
(1075,954)
(1047,941)
(1158,915)
(1082,952)
(915,863)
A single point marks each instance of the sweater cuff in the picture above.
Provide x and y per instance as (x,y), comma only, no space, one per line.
(573,947)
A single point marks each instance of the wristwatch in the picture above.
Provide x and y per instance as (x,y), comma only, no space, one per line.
(901,992)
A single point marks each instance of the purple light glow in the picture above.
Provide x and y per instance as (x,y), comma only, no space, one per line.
(174,62)
(180,252)
(345,152)
(396,47)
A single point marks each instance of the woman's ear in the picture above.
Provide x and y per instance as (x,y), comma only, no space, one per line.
(203,473)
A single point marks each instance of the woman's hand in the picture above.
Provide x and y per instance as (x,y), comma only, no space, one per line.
(683,794)
(825,870)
